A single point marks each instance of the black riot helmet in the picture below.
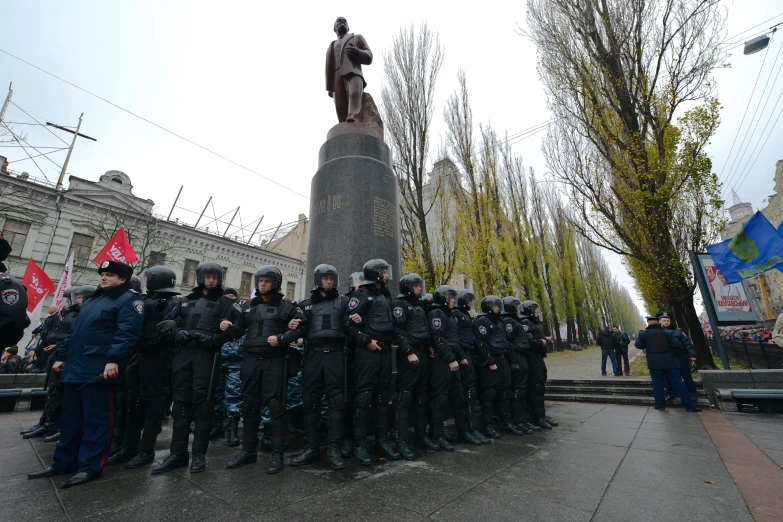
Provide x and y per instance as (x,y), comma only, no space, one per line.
(426,301)
(407,284)
(532,311)
(465,299)
(160,279)
(68,294)
(211,268)
(374,270)
(321,271)
(86,291)
(489,303)
(355,281)
(443,295)
(135,283)
(512,306)
(273,273)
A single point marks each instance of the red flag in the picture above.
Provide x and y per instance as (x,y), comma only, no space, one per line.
(117,249)
(38,285)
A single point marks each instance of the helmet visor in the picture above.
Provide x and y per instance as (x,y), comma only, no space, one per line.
(327,281)
(210,277)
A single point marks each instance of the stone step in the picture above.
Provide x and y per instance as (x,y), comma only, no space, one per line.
(614,390)
(618,399)
(628,382)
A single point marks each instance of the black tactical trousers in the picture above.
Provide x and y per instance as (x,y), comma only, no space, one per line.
(372,373)
(54,398)
(192,371)
(324,374)
(443,384)
(496,391)
(145,387)
(121,406)
(536,384)
(464,400)
(409,377)
(262,385)
(519,388)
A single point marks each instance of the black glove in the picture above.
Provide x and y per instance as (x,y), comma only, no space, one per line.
(165,327)
(181,337)
(204,341)
(514,366)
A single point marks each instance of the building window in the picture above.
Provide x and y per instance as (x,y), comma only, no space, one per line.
(157,259)
(15,232)
(225,276)
(290,291)
(245,285)
(189,273)
(81,245)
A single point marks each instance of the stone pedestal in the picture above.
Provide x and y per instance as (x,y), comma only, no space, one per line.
(354,212)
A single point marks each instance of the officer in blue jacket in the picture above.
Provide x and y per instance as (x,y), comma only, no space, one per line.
(662,363)
(685,355)
(108,327)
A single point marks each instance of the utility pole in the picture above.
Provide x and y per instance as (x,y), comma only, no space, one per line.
(7,100)
(59,186)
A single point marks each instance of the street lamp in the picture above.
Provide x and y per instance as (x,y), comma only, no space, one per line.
(758,43)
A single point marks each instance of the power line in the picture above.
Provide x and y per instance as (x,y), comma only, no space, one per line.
(739,129)
(762,146)
(25,150)
(739,157)
(41,124)
(155,124)
(751,28)
(32,147)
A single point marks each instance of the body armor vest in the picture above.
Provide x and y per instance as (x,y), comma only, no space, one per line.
(465,330)
(379,318)
(497,336)
(326,322)
(452,331)
(263,320)
(416,326)
(519,341)
(657,341)
(201,316)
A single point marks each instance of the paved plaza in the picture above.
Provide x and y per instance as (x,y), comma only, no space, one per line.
(603,463)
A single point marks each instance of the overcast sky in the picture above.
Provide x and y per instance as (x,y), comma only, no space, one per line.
(246,79)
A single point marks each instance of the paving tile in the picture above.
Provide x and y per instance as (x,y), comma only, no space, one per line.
(42,506)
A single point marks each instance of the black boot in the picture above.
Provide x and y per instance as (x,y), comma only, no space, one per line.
(490,432)
(346,448)
(218,427)
(443,443)
(523,428)
(386,448)
(30,429)
(468,438)
(124,455)
(54,437)
(171,463)
(360,453)
(276,464)
(244,457)
(507,427)
(333,456)
(542,423)
(550,421)
(309,455)
(233,433)
(480,437)
(142,458)
(425,443)
(198,463)
(42,431)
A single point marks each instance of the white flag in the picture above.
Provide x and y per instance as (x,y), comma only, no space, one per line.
(35,321)
(64,284)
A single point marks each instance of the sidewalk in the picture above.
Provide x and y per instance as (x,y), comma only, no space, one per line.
(603,463)
(583,365)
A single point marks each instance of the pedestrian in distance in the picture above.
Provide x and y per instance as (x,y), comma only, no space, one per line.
(606,340)
(621,350)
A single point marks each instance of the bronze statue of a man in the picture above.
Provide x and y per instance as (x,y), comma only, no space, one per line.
(344,80)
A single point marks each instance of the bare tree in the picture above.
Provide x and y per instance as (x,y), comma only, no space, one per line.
(408,104)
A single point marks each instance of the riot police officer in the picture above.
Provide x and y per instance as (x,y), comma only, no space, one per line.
(371,306)
(221,423)
(54,390)
(529,318)
(469,373)
(265,322)
(413,341)
(355,280)
(493,348)
(324,365)
(147,371)
(445,379)
(518,356)
(13,303)
(201,323)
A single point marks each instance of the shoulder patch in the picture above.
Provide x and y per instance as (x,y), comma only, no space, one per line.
(436,323)
(509,328)
(10,296)
(138,306)
(525,327)
(131,290)
(308,307)
(353,303)
(483,330)
(184,304)
(397,311)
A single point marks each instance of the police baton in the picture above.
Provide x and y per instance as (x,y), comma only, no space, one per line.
(211,391)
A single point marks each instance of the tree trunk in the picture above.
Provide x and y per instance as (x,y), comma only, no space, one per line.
(699,340)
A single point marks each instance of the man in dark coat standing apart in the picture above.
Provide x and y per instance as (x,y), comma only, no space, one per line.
(107,328)
(344,80)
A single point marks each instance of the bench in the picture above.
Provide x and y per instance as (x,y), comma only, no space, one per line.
(726,398)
